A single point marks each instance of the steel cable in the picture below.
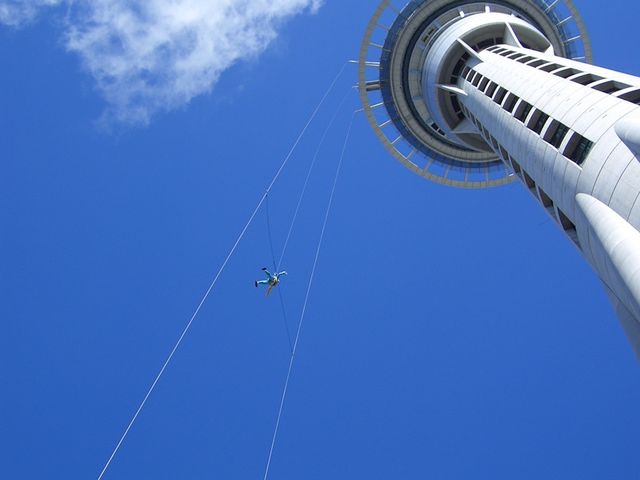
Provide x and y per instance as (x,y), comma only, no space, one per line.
(219,273)
(306,300)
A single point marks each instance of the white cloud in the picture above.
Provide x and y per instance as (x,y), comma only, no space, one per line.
(156,55)
(15,13)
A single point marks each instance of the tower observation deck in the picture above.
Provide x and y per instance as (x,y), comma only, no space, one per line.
(479,94)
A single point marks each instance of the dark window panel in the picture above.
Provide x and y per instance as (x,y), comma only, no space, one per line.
(510,102)
(499,96)
(529,181)
(484,44)
(538,122)
(516,166)
(557,136)
(610,87)
(545,199)
(565,72)
(578,148)
(491,89)
(525,59)
(567,224)
(586,79)
(549,67)
(522,111)
(536,63)
(633,96)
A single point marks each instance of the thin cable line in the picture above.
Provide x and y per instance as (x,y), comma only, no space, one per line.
(215,280)
(275,271)
(286,321)
(306,300)
(295,216)
(306,181)
(273,255)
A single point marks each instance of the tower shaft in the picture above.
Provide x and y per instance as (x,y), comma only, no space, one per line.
(560,126)
(489,93)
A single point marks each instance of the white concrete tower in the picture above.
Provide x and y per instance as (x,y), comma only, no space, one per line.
(478,94)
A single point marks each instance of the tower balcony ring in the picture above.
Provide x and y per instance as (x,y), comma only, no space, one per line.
(428,154)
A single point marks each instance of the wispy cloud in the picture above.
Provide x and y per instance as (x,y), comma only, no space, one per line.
(157,55)
(16,13)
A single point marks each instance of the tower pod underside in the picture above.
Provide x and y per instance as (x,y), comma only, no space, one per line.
(409,63)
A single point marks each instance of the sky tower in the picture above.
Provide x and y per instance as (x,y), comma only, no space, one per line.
(479,94)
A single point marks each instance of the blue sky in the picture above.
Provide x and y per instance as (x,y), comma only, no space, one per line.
(450,334)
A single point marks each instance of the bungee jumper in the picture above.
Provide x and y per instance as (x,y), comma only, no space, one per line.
(273,279)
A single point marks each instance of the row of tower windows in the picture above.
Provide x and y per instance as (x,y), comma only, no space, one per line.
(458,68)
(546,201)
(577,148)
(620,90)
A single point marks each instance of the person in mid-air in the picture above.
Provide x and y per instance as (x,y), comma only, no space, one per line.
(273,279)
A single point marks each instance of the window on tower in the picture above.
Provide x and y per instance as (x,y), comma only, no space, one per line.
(499,96)
(556,133)
(565,72)
(437,128)
(609,86)
(529,181)
(484,44)
(578,148)
(549,67)
(538,121)
(567,225)
(523,110)
(491,89)
(524,59)
(585,78)
(544,198)
(458,68)
(536,63)
(456,106)
(516,166)
(469,74)
(510,102)
(632,96)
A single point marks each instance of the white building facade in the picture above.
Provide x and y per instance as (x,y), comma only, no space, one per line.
(475,95)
